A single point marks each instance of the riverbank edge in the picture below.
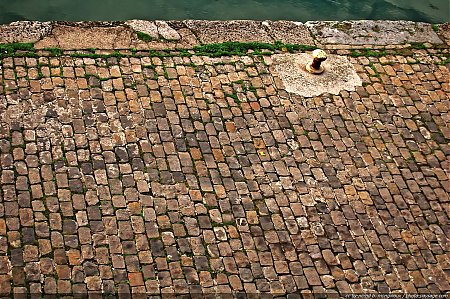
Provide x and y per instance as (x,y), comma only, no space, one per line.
(167,35)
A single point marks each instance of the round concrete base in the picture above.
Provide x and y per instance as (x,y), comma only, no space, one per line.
(339,74)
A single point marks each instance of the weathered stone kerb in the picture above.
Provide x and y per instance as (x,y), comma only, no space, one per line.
(186,34)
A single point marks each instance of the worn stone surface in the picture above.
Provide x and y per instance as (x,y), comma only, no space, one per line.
(186,34)
(444,32)
(188,39)
(155,175)
(87,37)
(167,32)
(24,32)
(372,32)
(147,27)
(223,31)
(339,75)
(289,32)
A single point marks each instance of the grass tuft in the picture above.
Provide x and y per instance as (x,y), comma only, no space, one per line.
(54,51)
(13,48)
(418,46)
(144,36)
(367,53)
(238,48)
(435,27)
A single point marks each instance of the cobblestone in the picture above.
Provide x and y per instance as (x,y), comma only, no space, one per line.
(198,174)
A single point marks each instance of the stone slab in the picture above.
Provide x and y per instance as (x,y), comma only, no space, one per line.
(372,32)
(167,32)
(339,75)
(188,39)
(444,32)
(24,32)
(186,34)
(225,31)
(144,26)
(289,32)
(86,37)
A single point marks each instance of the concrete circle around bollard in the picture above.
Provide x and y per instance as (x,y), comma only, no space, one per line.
(339,74)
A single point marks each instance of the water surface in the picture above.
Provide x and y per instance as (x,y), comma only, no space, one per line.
(432,11)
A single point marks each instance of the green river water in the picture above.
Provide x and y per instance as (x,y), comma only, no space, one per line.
(432,11)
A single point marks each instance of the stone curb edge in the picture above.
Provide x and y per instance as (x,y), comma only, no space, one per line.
(158,35)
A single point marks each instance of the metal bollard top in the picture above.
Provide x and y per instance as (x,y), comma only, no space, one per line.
(319,54)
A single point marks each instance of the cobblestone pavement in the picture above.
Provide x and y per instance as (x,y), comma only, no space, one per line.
(196,174)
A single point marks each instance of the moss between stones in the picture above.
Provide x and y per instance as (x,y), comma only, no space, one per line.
(445,60)
(144,36)
(17,50)
(210,50)
(343,26)
(367,53)
(418,46)
(55,51)
(238,48)
(13,47)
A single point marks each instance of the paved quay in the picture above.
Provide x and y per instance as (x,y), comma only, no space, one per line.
(136,158)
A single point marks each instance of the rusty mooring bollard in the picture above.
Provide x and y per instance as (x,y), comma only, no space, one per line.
(315,66)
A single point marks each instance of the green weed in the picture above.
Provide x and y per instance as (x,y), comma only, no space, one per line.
(238,48)
(435,27)
(418,46)
(445,61)
(17,50)
(144,36)
(54,51)
(13,47)
(367,53)
(374,69)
